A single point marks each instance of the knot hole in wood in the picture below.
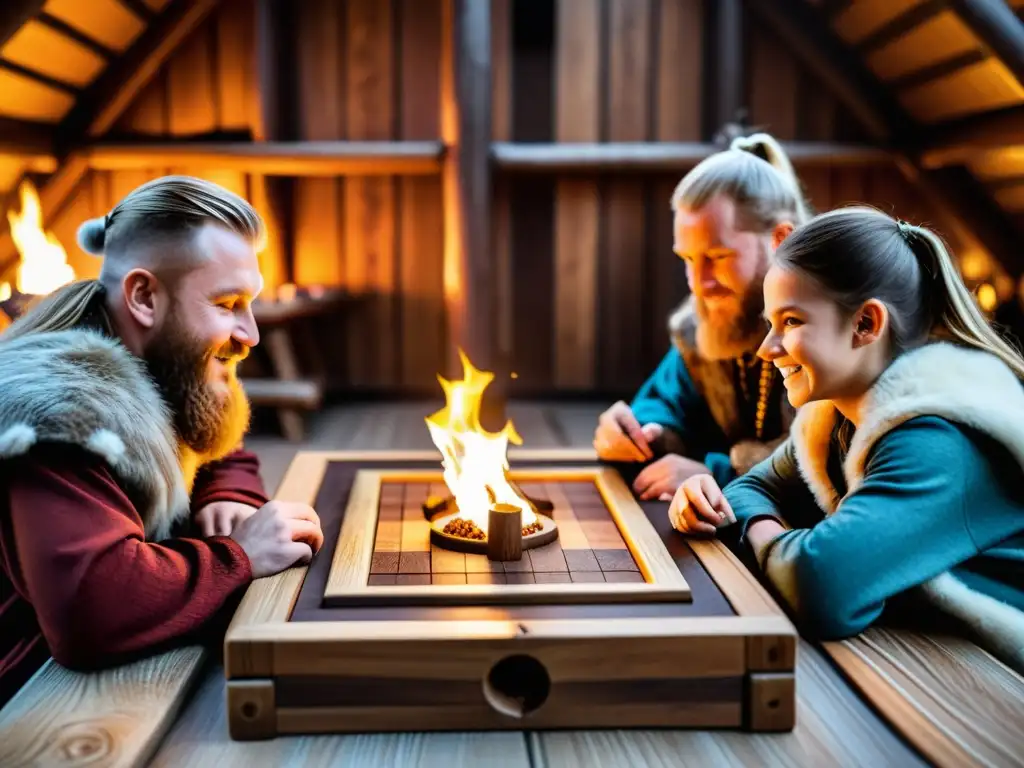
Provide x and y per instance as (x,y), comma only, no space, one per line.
(84,742)
(250,710)
(517,685)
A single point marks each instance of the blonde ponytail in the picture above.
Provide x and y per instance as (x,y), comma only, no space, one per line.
(756,175)
(956,314)
(767,148)
(65,308)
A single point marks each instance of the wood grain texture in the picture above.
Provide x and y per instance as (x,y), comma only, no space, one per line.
(113,718)
(833,727)
(200,738)
(953,701)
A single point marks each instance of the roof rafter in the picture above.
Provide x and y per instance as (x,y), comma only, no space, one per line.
(977,219)
(14,14)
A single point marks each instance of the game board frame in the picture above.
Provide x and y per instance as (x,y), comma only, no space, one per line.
(347,583)
(262,645)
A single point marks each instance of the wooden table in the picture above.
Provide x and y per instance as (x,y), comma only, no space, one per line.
(914,700)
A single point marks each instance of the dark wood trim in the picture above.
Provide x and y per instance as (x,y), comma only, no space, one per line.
(997,27)
(896,28)
(270,158)
(936,71)
(14,14)
(832,8)
(39,77)
(725,84)
(1005,182)
(804,31)
(964,139)
(103,102)
(77,35)
(25,137)
(139,8)
(532,157)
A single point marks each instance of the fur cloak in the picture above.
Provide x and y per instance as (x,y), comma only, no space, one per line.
(964,386)
(81,388)
(714,380)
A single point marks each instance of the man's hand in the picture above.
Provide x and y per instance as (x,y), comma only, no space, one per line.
(619,436)
(699,506)
(221,517)
(279,535)
(661,479)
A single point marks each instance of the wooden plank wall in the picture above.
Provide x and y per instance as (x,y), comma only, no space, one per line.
(592,271)
(588,275)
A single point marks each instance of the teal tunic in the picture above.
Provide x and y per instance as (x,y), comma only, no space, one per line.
(671,398)
(935,497)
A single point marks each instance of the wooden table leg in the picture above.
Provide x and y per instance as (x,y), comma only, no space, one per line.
(282,357)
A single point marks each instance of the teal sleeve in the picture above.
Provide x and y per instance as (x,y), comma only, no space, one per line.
(669,398)
(667,395)
(773,489)
(721,468)
(908,522)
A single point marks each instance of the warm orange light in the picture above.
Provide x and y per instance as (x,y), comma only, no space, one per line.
(987,298)
(44,263)
(475,461)
(5,291)
(974,265)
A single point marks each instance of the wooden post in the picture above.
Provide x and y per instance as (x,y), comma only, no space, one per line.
(470,273)
(504,532)
(726,94)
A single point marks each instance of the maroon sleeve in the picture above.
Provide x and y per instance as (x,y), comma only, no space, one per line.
(236,477)
(100,591)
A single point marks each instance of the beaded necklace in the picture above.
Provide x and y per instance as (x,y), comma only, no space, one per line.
(764,387)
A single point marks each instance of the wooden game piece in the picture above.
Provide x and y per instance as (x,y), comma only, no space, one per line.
(505,532)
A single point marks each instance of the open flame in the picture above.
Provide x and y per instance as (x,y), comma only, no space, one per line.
(44,263)
(475,461)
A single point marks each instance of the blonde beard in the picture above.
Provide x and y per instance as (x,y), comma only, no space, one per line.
(740,334)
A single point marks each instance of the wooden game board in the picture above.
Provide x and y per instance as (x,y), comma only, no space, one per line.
(695,642)
(589,547)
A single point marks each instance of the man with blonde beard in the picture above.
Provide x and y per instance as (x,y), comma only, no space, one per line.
(121,422)
(712,406)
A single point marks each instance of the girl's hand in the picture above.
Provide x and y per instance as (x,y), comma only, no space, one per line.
(699,506)
(220,518)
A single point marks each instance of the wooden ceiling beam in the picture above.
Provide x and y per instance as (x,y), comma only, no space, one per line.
(24,137)
(14,14)
(84,40)
(998,28)
(116,88)
(103,102)
(969,138)
(976,218)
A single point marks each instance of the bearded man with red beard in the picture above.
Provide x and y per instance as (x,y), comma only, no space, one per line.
(131,518)
(711,406)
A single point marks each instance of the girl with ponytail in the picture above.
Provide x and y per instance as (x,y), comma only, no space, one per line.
(903,476)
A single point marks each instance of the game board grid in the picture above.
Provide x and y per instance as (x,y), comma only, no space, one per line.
(589,547)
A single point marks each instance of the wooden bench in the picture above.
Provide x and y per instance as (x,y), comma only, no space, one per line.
(290,391)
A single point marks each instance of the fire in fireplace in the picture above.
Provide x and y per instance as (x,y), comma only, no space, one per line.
(42,261)
(486,512)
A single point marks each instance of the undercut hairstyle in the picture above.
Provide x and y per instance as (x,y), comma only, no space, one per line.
(153,228)
(755,173)
(858,253)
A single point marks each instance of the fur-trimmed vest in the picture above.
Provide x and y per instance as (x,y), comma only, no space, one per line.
(714,380)
(964,386)
(81,388)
